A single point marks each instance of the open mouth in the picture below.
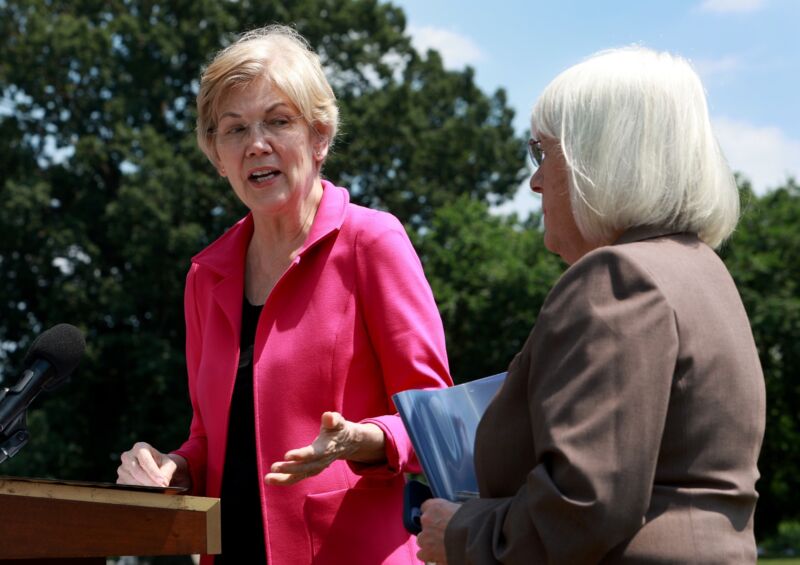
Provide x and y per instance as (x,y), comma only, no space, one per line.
(262,176)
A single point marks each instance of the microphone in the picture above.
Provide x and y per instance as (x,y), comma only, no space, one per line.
(49,362)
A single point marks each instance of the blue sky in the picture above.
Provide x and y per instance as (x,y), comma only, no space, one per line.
(746,52)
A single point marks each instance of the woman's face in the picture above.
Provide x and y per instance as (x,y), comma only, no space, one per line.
(551,180)
(266,150)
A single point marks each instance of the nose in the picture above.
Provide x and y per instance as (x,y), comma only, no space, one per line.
(536,181)
(258,140)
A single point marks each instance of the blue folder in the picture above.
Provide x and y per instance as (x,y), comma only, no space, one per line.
(441,424)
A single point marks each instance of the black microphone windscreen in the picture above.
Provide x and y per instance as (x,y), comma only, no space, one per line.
(62,346)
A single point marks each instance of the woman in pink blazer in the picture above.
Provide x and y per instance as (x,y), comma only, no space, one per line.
(302,321)
(629,426)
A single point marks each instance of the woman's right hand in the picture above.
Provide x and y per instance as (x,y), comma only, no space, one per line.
(143,464)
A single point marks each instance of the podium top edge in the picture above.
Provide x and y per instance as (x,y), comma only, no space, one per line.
(102,493)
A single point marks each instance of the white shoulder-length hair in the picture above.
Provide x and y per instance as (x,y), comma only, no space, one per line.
(634,129)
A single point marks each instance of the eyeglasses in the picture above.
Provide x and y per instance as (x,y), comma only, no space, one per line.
(237,133)
(535,151)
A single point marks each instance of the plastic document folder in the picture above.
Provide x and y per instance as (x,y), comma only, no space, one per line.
(441,424)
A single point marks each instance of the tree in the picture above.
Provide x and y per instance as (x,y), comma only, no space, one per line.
(425,141)
(764,259)
(106,197)
(490,277)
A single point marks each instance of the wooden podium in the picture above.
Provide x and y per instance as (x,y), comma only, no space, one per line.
(65,522)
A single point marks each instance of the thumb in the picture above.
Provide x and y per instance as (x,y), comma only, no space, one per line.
(332,421)
(166,465)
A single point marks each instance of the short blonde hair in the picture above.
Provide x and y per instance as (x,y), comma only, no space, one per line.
(634,129)
(279,54)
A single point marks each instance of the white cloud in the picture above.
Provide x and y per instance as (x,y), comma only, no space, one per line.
(457,50)
(731,6)
(765,155)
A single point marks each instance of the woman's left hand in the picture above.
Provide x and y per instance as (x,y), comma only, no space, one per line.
(338,439)
(436,514)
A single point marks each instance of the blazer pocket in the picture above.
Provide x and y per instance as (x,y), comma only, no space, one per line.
(358,526)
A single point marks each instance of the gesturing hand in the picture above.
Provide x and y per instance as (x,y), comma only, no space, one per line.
(338,439)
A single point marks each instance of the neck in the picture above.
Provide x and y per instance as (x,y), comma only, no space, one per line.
(276,241)
(290,227)
(584,247)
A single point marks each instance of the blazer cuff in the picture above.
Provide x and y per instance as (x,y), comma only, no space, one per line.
(468,523)
(196,470)
(490,530)
(398,449)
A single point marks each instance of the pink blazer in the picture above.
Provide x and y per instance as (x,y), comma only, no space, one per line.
(350,323)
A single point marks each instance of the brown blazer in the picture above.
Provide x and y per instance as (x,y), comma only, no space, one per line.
(629,426)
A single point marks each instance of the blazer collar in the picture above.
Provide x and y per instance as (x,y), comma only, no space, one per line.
(330,215)
(640,233)
(226,255)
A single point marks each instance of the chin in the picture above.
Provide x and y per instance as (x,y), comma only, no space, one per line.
(549,245)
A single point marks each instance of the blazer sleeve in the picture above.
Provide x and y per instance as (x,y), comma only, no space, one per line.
(194,449)
(599,367)
(404,327)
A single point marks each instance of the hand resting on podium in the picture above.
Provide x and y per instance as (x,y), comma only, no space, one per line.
(144,465)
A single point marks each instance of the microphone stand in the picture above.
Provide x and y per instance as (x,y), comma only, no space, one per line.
(15,436)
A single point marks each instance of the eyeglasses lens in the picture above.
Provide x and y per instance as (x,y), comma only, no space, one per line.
(535,152)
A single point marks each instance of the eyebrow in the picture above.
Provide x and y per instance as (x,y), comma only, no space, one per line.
(266,111)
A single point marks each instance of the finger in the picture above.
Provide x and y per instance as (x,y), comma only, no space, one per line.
(146,463)
(425,519)
(432,504)
(279,479)
(142,477)
(168,468)
(296,468)
(428,505)
(307,453)
(123,477)
(130,472)
(422,554)
(127,476)
(288,467)
(285,478)
(141,466)
(123,471)
(428,515)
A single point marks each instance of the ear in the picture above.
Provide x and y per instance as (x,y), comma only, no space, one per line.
(320,142)
(217,162)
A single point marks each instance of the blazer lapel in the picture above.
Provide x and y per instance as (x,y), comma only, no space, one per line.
(225,258)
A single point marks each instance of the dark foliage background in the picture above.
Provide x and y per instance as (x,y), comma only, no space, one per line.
(104,198)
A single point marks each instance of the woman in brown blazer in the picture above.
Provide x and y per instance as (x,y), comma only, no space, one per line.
(629,426)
